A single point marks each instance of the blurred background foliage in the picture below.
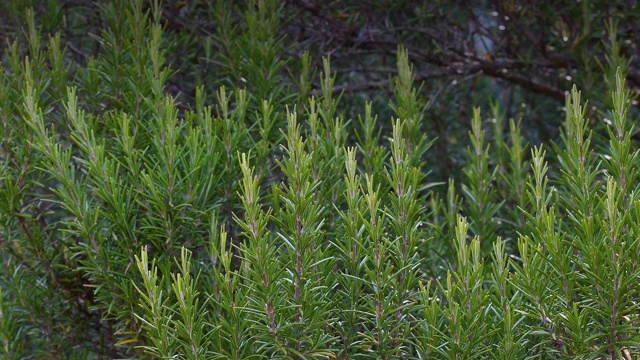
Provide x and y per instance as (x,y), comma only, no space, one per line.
(521,55)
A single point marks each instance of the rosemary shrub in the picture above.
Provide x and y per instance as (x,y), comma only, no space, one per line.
(258,222)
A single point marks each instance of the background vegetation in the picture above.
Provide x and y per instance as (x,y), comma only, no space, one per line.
(303,179)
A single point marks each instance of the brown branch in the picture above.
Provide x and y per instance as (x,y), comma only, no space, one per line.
(525,82)
(420,76)
(77,51)
(501,68)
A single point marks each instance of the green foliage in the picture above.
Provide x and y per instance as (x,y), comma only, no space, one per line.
(261,222)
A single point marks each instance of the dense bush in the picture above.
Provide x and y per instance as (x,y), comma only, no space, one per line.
(259,221)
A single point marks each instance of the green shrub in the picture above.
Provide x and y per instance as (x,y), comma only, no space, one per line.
(260,223)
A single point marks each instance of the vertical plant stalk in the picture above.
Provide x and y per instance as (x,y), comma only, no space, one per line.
(479,192)
(156,309)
